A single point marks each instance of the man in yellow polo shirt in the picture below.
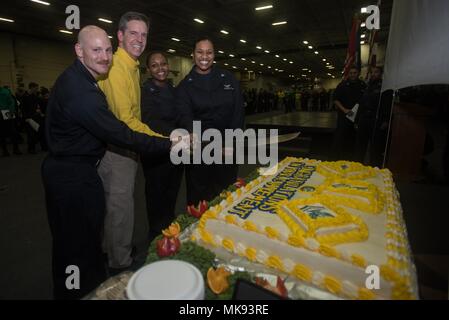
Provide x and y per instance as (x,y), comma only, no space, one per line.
(119,166)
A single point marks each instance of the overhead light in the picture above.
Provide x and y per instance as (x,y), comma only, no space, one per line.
(363,36)
(242,41)
(281,70)
(198,20)
(362,42)
(226,64)
(324,60)
(246,69)
(305,42)
(214,62)
(65,31)
(363,25)
(267,51)
(261,64)
(171,50)
(104,20)
(363,10)
(231,55)
(264,8)
(234,67)
(279,23)
(110,37)
(329,74)
(6,20)
(276,69)
(219,51)
(291,62)
(316,52)
(243,59)
(327,63)
(333,77)
(284,59)
(41,2)
(310,71)
(269,67)
(224,32)
(175,39)
(253,61)
(305,69)
(277,56)
(259,47)
(310,47)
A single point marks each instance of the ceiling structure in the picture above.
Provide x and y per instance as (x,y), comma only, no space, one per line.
(324,24)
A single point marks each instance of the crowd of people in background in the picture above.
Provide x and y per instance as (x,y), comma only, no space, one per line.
(287,100)
(23,112)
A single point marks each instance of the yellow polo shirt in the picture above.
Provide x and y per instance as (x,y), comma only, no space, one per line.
(122,89)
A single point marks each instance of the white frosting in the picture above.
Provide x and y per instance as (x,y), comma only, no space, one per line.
(218,239)
(318,278)
(339,229)
(240,249)
(289,265)
(349,289)
(261,256)
(312,244)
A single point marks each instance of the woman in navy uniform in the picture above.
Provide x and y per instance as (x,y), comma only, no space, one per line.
(213,96)
(162,177)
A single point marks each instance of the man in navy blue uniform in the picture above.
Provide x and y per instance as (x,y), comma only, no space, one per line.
(347,95)
(213,96)
(79,125)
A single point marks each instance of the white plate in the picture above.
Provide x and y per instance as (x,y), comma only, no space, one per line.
(166,280)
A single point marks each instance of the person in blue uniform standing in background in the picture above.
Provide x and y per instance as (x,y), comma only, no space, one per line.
(213,96)
(162,177)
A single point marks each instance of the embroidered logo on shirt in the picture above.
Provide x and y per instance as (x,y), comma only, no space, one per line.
(228,87)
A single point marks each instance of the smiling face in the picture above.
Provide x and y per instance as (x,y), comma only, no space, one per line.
(134,39)
(203,56)
(376,74)
(158,67)
(94,50)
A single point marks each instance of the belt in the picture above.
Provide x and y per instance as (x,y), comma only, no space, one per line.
(79,159)
(123,152)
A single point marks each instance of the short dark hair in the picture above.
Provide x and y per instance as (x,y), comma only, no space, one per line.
(355,68)
(130,16)
(152,53)
(32,85)
(202,38)
(44,91)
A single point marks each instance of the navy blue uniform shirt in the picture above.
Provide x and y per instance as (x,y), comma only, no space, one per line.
(158,107)
(214,98)
(349,93)
(80,124)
